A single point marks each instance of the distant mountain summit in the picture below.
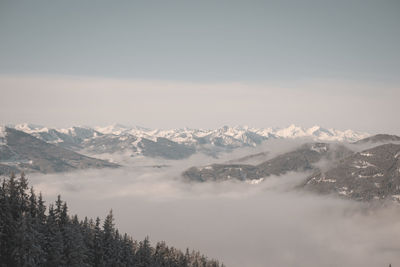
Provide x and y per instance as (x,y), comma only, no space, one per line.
(176,143)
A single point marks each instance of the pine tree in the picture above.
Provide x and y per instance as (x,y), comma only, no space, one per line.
(54,242)
(98,245)
(13,220)
(109,240)
(5,220)
(33,204)
(30,251)
(23,198)
(128,251)
(161,253)
(74,245)
(87,230)
(144,253)
(41,210)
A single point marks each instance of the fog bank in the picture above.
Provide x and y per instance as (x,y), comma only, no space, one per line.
(268,224)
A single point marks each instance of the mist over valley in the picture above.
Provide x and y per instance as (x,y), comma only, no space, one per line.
(276,216)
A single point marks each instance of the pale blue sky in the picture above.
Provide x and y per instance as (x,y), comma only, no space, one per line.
(202,42)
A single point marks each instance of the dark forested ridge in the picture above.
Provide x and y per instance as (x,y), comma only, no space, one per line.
(33,235)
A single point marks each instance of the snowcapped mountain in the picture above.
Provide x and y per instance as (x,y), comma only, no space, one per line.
(318,133)
(242,134)
(176,143)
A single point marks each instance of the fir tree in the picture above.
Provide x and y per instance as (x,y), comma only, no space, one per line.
(98,245)
(54,242)
(144,253)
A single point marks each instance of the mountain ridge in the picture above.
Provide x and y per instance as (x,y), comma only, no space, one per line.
(299,159)
(372,174)
(363,174)
(20,151)
(185,142)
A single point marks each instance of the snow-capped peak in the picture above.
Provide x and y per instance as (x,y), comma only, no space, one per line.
(30,128)
(115,129)
(292,131)
(226,136)
(230,135)
(319,132)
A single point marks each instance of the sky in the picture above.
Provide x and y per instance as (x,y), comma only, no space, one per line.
(201,64)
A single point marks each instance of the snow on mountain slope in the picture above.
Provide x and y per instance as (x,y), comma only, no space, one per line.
(115,129)
(318,133)
(30,128)
(140,141)
(243,134)
(292,131)
(80,132)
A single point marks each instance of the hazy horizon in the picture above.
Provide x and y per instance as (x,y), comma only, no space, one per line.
(117,124)
(63,101)
(201,64)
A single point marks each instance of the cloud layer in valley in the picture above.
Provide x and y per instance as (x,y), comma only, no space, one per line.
(240,224)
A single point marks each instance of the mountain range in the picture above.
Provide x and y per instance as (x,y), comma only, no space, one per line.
(362,167)
(32,147)
(175,143)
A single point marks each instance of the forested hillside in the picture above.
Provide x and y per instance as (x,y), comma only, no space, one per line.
(33,235)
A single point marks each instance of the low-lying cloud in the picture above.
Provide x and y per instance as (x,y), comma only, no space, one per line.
(267,224)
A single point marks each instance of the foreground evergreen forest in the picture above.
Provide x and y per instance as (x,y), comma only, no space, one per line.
(33,235)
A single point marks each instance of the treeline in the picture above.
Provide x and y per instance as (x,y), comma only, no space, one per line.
(33,235)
